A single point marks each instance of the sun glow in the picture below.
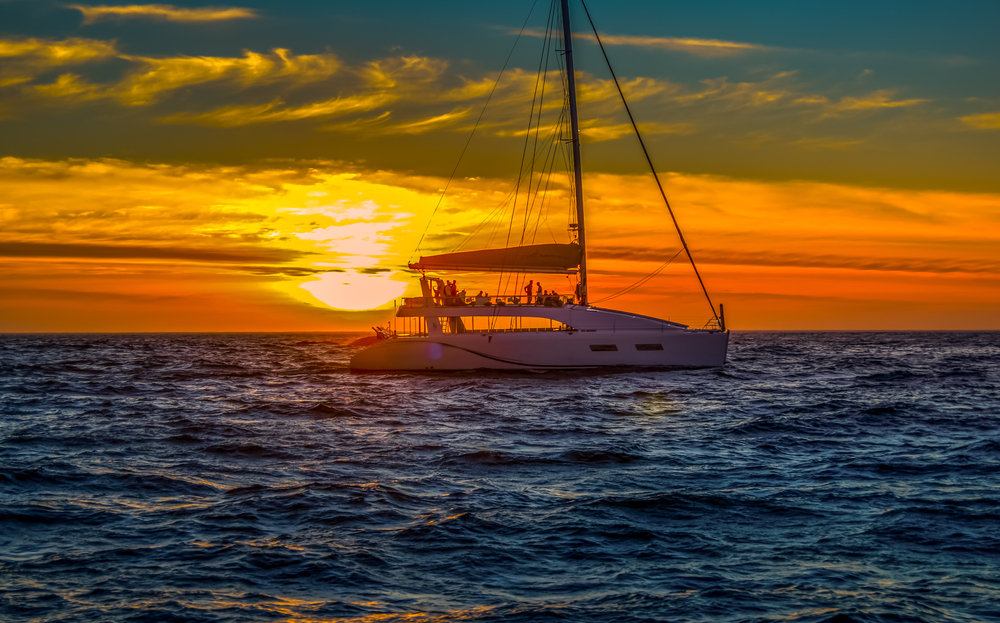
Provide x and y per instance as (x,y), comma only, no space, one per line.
(300,244)
(355,291)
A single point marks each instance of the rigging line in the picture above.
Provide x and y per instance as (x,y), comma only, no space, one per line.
(543,66)
(545,153)
(548,147)
(650,161)
(641,282)
(499,221)
(524,150)
(536,151)
(473,133)
(550,161)
(482,224)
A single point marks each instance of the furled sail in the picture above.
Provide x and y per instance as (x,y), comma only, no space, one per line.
(535,258)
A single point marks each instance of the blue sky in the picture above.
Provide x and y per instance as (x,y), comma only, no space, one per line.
(943,54)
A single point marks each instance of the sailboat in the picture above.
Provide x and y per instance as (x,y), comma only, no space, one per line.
(447,331)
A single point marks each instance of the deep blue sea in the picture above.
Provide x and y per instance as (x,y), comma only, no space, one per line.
(250,477)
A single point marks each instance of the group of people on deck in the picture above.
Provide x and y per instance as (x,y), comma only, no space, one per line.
(542,297)
(448,295)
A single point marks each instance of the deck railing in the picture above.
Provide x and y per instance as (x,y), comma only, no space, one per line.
(550,300)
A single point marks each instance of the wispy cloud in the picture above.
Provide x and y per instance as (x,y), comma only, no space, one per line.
(739,94)
(165,74)
(394,72)
(826,142)
(985,121)
(873,101)
(433,123)
(56,53)
(233,116)
(599,130)
(155,76)
(166,12)
(143,252)
(705,48)
(25,59)
(599,133)
(72,87)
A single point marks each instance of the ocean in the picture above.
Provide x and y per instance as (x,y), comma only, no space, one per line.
(821,477)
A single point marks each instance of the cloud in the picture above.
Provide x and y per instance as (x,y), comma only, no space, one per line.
(705,48)
(157,75)
(433,123)
(131,252)
(402,71)
(166,12)
(364,125)
(595,90)
(826,142)
(986,121)
(873,101)
(71,86)
(377,126)
(24,59)
(599,130)
(384,81)
(611,132)
(233,116)
(732,95)
(801,260)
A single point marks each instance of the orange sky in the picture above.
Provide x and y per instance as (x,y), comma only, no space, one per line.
(169,196)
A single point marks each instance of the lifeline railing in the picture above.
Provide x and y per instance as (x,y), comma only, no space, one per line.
(545,300)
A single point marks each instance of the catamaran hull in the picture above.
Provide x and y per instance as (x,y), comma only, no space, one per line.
(555,350)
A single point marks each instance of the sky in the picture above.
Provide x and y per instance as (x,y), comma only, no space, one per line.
(273,166)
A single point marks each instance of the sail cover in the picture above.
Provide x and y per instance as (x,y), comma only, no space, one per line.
(535,258)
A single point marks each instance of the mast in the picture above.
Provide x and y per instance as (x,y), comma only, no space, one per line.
(575,131)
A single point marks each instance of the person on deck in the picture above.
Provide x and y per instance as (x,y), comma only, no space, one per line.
(527,290)
(538,294)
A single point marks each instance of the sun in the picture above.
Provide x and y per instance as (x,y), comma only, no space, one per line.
(355,291)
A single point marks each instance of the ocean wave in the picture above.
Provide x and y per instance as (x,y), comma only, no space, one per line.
(817,477)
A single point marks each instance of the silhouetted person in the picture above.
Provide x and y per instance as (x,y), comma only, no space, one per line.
(527,290)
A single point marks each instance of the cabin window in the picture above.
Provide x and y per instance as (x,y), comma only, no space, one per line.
(649,346)
(603,347)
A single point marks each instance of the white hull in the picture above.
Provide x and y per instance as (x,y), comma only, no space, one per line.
(553,350)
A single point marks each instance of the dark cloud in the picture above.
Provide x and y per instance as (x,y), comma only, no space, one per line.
(285,271)
(136,252)
(712,256)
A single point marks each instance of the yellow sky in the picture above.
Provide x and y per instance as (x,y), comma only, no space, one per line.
(111,245)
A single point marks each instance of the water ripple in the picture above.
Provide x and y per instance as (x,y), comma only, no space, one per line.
(827,477)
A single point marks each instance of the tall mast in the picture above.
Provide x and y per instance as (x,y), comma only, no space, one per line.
(575,130)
